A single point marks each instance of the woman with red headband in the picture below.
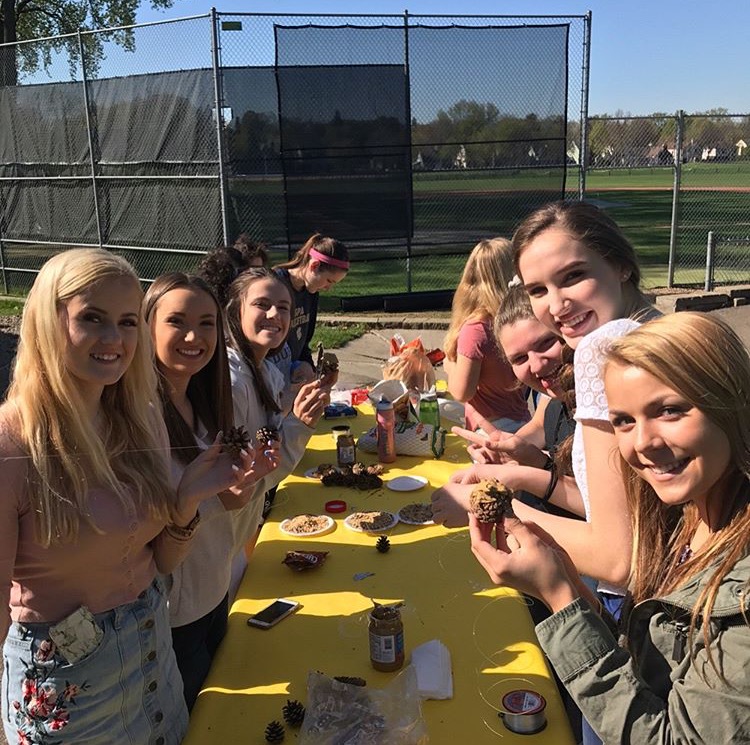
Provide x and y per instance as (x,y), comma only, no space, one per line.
(320,264)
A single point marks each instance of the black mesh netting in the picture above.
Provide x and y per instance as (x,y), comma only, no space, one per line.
(148,132)
(365,150)
(344,138)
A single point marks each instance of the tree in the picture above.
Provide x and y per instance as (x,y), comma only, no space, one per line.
(21,20)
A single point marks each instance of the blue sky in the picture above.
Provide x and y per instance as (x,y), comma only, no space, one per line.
(646,55)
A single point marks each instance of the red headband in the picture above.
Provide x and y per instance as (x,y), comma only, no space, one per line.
(325,259)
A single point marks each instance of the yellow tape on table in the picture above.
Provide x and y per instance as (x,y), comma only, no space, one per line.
(446,595)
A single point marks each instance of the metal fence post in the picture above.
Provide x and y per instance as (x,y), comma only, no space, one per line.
(90,134)
(680,121)
(584,154)
(218,103)
(708,285)
(410,201)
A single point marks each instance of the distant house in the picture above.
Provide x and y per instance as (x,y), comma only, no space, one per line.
(717,153)
(460,159)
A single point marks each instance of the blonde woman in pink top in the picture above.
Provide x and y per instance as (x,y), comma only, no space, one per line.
(88,516)
(478,372)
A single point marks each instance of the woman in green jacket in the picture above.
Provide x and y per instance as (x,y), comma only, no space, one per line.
(679,402)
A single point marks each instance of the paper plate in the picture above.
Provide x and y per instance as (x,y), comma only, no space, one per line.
(348,522)
(411,521)
(329,523)
(406,483)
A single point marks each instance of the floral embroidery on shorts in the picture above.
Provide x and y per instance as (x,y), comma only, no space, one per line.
(43,709)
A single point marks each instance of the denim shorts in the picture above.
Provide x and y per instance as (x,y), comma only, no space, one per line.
(126,691)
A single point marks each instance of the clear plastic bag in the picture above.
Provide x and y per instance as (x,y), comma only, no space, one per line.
(344,714)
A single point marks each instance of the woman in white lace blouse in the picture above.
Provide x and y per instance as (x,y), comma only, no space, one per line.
(583,279)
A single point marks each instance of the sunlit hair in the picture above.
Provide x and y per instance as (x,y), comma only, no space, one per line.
(223,265)
(237,295)
(483,283)
(325,245)
(596,230)
(67,452)
(702,360)
(209,390)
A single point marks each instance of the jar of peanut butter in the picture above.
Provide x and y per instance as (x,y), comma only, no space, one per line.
(386,631)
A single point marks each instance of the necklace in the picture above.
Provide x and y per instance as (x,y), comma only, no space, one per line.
(685,554)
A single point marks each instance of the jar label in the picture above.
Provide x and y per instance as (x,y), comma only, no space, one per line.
(346,455)
(386,649)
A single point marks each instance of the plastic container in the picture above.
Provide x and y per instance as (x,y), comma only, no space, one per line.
(429,411)
(386,632)
(386,430)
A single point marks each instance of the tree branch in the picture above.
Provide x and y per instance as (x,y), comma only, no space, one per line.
(43,11)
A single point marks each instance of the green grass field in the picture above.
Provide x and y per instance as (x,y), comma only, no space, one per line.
(714,197)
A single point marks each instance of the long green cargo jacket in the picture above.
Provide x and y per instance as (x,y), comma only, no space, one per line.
(658,694)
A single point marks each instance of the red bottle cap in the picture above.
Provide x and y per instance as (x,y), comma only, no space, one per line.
(335,505)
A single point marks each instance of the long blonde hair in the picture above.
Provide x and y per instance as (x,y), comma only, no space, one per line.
(483,284)
(701,358)
(67,454)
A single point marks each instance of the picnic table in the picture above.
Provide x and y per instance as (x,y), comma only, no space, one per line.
(446,595)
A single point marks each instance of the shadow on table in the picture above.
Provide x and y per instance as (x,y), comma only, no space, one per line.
(447,596)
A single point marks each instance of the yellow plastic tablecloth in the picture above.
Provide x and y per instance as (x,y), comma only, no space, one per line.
(447,596)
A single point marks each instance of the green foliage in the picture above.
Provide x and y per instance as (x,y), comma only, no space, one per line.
(38,19)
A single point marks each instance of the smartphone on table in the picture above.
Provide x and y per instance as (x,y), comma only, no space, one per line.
(273,613)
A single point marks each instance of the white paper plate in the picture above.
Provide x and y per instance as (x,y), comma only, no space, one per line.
(328,525)
(408,521)
(406,483)
(347,522)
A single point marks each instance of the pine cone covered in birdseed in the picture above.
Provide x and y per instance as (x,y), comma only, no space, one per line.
(491,501)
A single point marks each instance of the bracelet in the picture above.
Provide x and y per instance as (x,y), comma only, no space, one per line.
(552,483)
(184,533)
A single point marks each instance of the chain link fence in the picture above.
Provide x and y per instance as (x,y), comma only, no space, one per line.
(408,137)
(670,181)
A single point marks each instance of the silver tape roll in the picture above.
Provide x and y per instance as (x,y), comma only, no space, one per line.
(524,712)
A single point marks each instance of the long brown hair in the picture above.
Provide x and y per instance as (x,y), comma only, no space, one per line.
(701,358)
(325,245)
(209,390)
(596,230)
(235,336)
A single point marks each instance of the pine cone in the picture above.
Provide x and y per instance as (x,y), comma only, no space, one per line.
(352,681)
(267,436)
(326,364)
(294,712)
(383,545)
(234,440)
(491,501)
(275,732)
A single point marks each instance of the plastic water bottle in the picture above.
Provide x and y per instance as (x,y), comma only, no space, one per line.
(386,429)
(429,411)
